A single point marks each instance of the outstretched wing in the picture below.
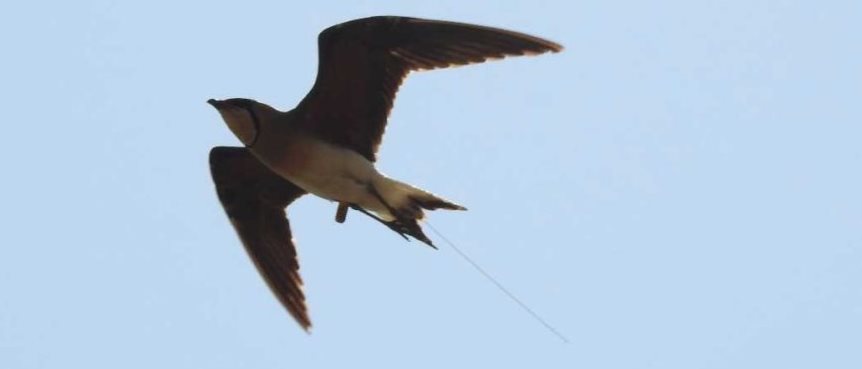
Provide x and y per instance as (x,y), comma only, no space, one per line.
(254,199)
(363,62)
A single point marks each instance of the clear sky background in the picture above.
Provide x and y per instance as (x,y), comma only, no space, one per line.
(680,188)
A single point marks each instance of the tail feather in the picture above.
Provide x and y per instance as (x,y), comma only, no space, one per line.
(406,203)
(404,227)
(417,201)
(409,201)
(428,201)
(411,228)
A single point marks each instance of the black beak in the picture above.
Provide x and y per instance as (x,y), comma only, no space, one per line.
(215,103)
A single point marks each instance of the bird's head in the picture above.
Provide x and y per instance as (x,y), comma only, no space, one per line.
(244,117)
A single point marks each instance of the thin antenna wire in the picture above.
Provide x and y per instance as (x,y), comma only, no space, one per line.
(498,284)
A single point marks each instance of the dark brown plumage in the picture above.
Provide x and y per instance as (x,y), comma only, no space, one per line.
(363,62)
(254,199)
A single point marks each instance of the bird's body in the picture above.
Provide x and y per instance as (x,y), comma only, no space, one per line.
(319,167)
(327,170)
(327,145)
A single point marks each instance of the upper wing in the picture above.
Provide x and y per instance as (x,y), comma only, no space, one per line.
(254,199)
(362,64)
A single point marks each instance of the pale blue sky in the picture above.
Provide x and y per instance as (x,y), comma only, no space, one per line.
(680,188)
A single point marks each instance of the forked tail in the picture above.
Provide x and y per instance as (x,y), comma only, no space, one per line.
(405,204)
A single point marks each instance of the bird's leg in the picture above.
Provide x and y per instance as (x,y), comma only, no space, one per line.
(341,213)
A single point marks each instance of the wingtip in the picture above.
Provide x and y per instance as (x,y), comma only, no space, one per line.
(555,47)
(304,322)
(546,47)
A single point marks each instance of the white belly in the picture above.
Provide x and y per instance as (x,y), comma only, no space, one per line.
(325,170)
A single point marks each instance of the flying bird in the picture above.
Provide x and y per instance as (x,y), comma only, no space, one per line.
(327,144)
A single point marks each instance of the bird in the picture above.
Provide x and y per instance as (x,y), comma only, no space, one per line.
(327,145)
